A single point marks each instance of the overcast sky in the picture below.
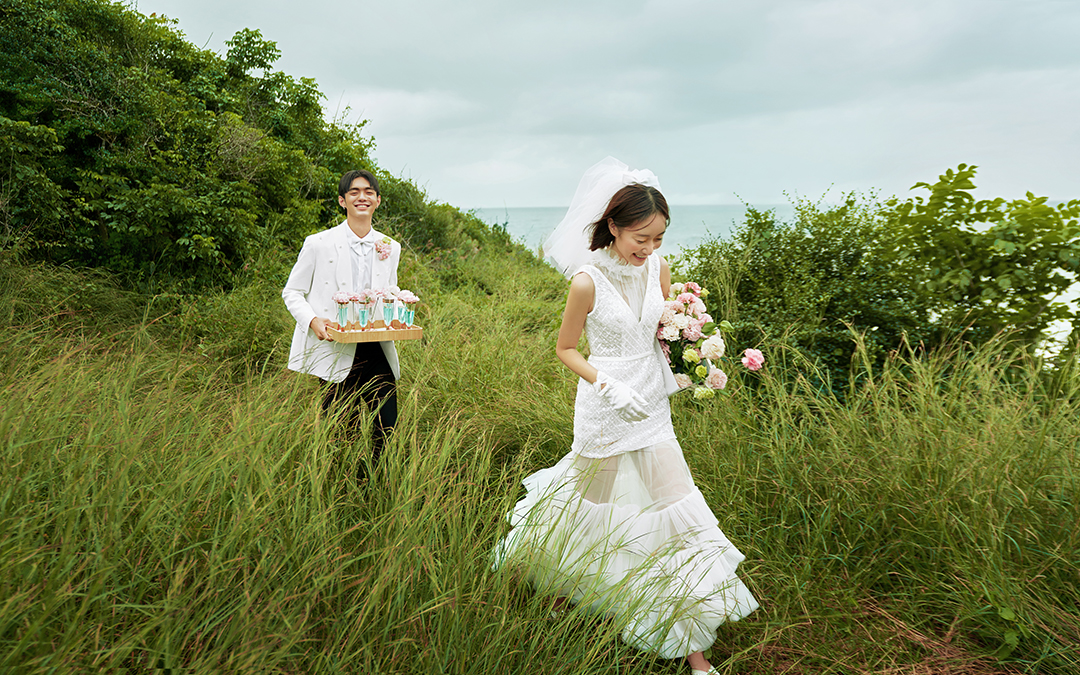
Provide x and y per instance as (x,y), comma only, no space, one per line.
(491,103)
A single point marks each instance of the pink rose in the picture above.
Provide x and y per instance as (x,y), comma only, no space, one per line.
(666,348)
(683,380)
(716,379)
(753,359)
(692,332)
(697,307)
(686,298)
(692,287)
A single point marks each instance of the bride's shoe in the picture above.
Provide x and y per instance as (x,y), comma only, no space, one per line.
(710,671)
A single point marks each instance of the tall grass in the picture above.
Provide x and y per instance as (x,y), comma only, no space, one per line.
(153,518)
(942,497)
(159,508)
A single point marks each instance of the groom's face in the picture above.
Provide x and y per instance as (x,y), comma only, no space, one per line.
(360,200)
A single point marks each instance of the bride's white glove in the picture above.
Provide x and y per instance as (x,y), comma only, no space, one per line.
(628,404)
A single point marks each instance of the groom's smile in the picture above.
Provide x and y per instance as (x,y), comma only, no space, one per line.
(361,200)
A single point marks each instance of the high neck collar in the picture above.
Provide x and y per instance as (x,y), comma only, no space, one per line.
(611,264)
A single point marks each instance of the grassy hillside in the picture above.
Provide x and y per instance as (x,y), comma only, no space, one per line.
(172,497)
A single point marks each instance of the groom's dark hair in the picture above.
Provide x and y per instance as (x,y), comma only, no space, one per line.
(346,181)
(631,205)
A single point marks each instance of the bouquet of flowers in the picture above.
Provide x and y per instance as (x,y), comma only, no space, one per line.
(692,343)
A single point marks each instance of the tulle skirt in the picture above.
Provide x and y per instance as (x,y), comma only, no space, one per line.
(630,536)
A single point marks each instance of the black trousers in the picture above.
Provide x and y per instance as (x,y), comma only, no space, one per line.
(371,382)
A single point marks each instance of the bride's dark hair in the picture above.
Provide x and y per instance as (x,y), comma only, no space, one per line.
(630,205)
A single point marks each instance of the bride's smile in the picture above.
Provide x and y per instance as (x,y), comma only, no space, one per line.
(636,243)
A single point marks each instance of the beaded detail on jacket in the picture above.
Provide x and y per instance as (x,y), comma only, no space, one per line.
(625,347)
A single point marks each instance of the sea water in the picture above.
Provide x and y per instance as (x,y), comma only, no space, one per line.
(690,225)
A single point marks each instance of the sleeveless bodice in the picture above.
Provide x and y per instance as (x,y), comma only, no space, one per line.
(624,346)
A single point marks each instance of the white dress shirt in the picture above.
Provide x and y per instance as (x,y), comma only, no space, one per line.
(363,258)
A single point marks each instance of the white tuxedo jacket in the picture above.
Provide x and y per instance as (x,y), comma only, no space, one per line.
(324,267)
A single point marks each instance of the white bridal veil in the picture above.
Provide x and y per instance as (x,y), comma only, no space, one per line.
(567,248)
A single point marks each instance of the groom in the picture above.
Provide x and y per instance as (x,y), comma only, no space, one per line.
(345,258)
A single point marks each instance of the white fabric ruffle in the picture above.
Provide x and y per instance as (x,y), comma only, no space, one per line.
(629,280)
(631,537)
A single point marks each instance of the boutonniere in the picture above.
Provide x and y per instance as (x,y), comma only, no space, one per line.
(383,248)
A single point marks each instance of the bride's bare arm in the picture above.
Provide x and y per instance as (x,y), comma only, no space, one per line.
(665,277)
(578,305)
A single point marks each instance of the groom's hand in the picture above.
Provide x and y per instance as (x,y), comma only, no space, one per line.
(319,324)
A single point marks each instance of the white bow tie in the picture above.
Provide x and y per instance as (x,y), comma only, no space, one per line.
(361,246)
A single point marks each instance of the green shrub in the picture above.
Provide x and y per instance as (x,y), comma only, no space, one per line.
(175,166)
(809,284)
(990,264)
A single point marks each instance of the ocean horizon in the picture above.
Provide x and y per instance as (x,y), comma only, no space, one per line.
(690,225)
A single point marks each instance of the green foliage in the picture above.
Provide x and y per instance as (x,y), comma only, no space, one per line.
(29,200)
(919,272)
(247,51)
(992,264)
(809,284)
(128,148)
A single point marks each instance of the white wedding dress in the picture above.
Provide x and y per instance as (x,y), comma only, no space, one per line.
(618,525)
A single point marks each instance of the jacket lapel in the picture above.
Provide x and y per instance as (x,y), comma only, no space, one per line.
(343,258)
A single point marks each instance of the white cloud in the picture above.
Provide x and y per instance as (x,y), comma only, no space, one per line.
(489,103)
(415,112)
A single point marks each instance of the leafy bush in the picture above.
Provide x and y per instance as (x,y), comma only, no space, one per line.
(809,284)
(173,166)
(991,264)
(917,272)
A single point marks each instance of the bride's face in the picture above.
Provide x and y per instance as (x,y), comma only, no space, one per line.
(635,243)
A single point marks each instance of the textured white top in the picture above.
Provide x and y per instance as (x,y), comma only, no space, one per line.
(621,330)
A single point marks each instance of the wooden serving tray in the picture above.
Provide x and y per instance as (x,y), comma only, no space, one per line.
(375,334)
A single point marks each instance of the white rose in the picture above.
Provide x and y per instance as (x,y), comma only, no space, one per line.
(680,321)
(713,348)
(669,333)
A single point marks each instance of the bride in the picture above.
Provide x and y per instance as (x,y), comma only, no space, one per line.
(617,525)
